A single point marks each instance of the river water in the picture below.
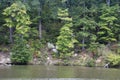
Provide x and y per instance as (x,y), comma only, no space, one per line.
(39,72)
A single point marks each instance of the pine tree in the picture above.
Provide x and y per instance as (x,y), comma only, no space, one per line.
(17,17)
(107,18)
(65,41)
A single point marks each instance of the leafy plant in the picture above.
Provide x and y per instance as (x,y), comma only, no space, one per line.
(21,53)
(93,47)
(86,60)
(66,40)
(106,24)
(90,62)
(16,16)
(113,59)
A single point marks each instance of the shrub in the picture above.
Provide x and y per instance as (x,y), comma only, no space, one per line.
(65,41)
(21,53)
(103,50)
(90,62)
(36,44)
(85,60)
(113,59)
(3,39)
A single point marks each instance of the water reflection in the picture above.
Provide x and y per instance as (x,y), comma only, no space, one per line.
(58,73)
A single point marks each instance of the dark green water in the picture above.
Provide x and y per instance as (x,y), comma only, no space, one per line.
(53,72)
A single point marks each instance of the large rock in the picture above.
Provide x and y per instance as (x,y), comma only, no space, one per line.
(4,60)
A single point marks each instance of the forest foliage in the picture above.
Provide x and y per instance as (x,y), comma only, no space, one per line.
(72,25)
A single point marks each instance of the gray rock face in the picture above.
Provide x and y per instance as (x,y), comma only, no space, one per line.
(4,60)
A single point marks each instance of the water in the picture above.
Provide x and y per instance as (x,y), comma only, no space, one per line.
(38,72)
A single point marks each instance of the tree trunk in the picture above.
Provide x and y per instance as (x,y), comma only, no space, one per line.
(83,40)
(40,24)
(108,2)
(24,1)
(11,35)
(83,44)
(40,29)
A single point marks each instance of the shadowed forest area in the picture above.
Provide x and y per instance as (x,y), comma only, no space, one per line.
(60,32)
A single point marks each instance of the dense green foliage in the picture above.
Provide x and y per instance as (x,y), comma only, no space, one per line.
(18,18)
(21,53)
(113,59)
(65,42)
(62,22)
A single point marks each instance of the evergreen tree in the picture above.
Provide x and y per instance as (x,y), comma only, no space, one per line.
(65,41)
(17,17)
(106,23)
(84,24)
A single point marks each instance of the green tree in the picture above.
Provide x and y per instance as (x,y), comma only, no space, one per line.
(106,25)
(84,23)
(17,17)
(65,41)
(21,52)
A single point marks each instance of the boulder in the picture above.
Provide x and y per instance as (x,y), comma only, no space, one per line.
(4,60)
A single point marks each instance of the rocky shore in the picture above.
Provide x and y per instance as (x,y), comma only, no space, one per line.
(5,59)
(75,60)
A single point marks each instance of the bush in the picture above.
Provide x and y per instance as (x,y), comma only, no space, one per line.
(21,53)
(3,39)
(113,59)
(65,42)
(90,62)
(85,60)
(36,44)
(103,50)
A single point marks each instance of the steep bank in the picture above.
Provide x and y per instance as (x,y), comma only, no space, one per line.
(75,60)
